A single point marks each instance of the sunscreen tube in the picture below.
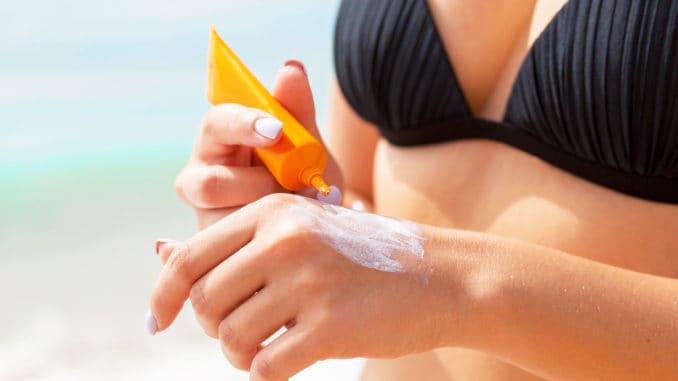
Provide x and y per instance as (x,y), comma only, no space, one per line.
(297,160)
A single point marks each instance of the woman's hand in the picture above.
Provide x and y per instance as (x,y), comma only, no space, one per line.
(223,173)
(344,283)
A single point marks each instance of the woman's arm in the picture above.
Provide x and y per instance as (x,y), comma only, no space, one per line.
(352,142)
(561,316)
(349,284)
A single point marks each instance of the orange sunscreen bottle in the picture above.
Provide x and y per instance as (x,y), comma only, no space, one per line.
(297,160)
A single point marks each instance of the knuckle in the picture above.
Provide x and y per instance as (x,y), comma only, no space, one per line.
(208,186)
(291,230)
(312,283)
(199,301)
(207,126)
(264,367)
(179,186)
(326,319)
(234,347)
(180,263)
(271,200)
(181,180)
(231,342)
(274,203)
(210,121)
(289,242)
(208,327)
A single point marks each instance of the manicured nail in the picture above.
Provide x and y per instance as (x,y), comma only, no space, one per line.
(333,198)
(268,127)
(151,324)
(160,242)
(296,64)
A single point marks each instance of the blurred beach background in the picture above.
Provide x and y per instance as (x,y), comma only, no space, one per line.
(99,105)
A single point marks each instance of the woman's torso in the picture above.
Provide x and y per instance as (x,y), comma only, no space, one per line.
(493,188)
(488,186)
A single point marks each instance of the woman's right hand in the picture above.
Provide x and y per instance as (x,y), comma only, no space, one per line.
(223,173)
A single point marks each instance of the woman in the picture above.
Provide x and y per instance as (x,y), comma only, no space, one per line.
(536,202)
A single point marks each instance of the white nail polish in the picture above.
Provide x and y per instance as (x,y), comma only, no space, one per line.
(268,127)
(151,324)
(333,198)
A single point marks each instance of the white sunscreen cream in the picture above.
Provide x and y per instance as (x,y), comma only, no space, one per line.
(370,240)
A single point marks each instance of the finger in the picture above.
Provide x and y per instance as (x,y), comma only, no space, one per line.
(227,126)
(292,89)
(218,186)
(206,217)
(287,355)
(226,286)
(191,259)
(242,332)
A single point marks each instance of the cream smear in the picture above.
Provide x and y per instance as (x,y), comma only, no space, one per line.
(370,240)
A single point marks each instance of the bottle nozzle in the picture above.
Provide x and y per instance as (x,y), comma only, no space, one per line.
(320,185)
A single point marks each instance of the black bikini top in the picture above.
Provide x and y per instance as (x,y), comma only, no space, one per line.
(597,94)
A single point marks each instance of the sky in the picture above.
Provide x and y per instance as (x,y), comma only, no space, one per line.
(87,75)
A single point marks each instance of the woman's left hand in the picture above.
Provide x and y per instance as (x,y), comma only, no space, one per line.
(343,283)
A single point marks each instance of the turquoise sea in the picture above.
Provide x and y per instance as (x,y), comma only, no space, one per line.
(99,105)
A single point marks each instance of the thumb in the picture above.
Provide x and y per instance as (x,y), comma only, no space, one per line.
(292,90)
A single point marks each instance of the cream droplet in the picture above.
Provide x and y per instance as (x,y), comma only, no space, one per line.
(333,198)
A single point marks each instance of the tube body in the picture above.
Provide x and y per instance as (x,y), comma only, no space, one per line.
(297,160)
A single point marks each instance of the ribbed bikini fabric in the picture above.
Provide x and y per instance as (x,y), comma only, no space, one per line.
(597,94)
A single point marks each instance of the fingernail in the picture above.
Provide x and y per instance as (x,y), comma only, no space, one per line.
(160,242)
(151,324)
(296,64)
(268,127)
(333,198)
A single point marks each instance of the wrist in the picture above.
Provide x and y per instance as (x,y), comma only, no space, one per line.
(468,280)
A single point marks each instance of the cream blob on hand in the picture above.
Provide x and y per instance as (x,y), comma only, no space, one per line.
(370,240)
